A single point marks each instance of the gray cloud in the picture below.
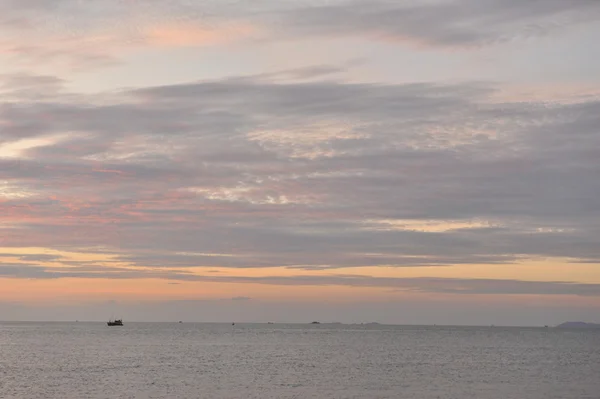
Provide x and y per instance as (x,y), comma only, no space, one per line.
(34,257)
(455,23)
(421,284)
(304,175)
(451,23)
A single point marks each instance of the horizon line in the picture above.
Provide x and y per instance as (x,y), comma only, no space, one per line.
(298,323)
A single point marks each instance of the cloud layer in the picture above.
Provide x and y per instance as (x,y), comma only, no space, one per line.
(457,23)
(82,34)
(299,170)
(303,174)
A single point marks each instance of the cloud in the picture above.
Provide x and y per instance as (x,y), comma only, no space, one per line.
(308,175)
(82,36)
(177,35)
(456,23)
(421,284)
(33,257)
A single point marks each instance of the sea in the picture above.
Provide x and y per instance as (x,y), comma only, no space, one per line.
(202,360)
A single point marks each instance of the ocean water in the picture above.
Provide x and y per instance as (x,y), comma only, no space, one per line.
(162,360)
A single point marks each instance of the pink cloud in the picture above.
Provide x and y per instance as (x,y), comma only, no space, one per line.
(104,47)
(173,35)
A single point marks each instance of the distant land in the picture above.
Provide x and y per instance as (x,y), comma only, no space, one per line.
(578,324)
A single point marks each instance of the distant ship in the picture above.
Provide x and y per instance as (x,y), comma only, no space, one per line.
(118,322)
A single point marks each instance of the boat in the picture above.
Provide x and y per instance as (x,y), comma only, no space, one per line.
(118,322)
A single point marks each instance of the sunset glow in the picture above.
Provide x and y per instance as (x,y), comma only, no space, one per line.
(253,158)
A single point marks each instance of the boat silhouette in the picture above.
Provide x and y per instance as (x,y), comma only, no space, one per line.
(118,322)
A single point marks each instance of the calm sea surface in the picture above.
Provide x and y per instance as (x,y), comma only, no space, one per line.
(147,360)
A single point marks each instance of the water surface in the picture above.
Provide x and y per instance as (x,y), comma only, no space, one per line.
(164,360)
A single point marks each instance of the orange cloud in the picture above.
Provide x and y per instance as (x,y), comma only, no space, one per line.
(101,47)
(190,35)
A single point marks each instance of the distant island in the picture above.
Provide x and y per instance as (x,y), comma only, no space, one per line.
(578,324)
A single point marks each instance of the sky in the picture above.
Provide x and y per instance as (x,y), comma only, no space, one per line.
(407,161)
